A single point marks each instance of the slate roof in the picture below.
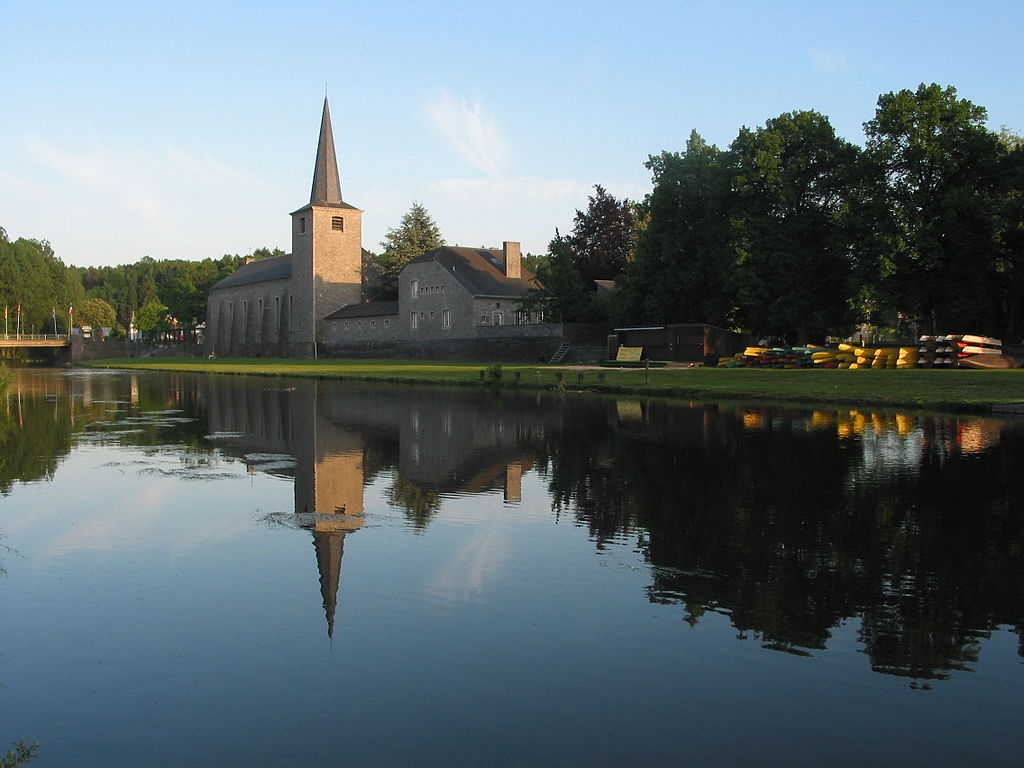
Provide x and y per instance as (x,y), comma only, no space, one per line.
(262,270)
(373,309)
(479,270)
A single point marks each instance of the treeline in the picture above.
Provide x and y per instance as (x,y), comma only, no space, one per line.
(38,291)
(795,233)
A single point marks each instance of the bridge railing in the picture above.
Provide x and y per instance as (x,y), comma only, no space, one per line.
(33,337)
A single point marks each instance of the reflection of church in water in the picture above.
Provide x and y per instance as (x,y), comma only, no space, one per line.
(333,441)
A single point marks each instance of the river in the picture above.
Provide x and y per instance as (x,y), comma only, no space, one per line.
(231,571)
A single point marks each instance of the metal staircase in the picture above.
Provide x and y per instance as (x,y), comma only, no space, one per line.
(559,355)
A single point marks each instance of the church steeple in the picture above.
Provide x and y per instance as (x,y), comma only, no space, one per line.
(326,182)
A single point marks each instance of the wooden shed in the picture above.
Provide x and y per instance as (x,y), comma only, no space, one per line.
(696,343)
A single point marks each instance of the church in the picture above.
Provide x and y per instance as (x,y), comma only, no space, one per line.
(313,302)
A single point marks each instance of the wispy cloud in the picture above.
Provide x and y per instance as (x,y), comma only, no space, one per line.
(473,134)
(122,177)
(145,183)
(210,169)
(831,62)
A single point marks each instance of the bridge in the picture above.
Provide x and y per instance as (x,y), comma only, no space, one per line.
(19,340)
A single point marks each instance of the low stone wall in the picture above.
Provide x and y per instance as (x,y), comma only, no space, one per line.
(95,349)
(510,343)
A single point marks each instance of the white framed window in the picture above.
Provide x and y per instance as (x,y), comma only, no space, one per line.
(414,321)
(387,323)
(446,318)
(496,317)
(414,289)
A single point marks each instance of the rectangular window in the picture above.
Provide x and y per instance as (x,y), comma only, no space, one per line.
(337,223)
(431,315)
(414,288)
(446,318)
(302,225)
(496,317)
(414,321)
(387,323)
(373,323)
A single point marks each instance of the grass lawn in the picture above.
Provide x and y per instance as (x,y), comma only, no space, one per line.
(957,390)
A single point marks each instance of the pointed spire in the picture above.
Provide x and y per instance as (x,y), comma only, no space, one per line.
(326,183)
(329,547)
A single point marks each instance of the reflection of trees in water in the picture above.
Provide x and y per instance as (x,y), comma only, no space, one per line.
(42,414)
(418,504)
(767,517)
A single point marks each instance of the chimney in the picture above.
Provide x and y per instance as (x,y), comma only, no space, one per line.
(513,259)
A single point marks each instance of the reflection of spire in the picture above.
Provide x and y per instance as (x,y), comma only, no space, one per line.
(330,546)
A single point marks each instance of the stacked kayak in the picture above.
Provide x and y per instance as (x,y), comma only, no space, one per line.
(963,351)
(951,351)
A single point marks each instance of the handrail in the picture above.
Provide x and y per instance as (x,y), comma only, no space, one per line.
(34,337)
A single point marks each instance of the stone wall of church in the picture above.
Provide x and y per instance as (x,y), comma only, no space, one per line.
(251,320)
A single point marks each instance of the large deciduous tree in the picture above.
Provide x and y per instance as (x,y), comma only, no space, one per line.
(936,169)
(415,234)
(791,263)
(602,236)
(95,313)
(560,294)
(681,272)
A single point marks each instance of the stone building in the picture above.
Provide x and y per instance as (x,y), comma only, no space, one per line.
(312,302)
(275,306)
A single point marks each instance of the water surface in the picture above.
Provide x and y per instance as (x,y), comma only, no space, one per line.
(244,572)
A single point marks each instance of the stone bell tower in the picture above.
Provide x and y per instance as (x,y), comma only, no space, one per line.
(327,250)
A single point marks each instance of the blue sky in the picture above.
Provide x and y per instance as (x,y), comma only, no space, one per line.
(188,129)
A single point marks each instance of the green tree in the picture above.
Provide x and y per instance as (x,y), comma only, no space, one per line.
(602,236)
(936,167)
(791,271)
(681,271)
(32,277)
(415,234)
(96,313)
(150,317)
(1009,261)
(560,293)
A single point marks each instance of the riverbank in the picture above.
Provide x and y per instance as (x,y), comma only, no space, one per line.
(975,391)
